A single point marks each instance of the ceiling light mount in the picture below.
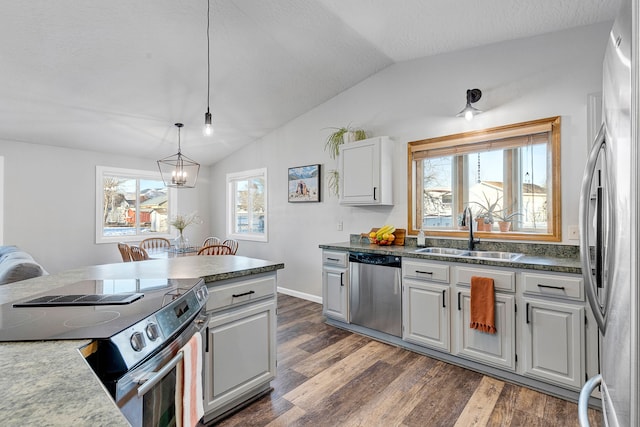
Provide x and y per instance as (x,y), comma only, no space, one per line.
(179,171)
(473,96)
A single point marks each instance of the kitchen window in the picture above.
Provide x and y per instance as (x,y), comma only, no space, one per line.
(247,205)
(509,175)
(131,205)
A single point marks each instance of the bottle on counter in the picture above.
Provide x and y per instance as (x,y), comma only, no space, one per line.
(421,238)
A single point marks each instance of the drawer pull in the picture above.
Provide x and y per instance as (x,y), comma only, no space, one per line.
(333,259)
(424,272)
(561,288)
(244,294)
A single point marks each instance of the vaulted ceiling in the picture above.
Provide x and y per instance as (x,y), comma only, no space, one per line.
(114,76)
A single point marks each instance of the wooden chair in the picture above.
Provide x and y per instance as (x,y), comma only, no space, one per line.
(233,245)
(211,241)
(155,243)
(125,251)
(215,250)
(138,253)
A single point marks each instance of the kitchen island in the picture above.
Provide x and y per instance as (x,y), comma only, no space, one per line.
(49,382)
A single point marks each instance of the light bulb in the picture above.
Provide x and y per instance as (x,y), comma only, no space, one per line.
(208,127)
(468,115)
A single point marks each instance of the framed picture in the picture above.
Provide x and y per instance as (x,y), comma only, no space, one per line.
(304,184)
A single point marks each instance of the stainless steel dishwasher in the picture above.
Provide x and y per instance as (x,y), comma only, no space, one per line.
(375,296)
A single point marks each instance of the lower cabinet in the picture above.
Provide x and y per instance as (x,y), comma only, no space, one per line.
(335,285)
(426,314)
(241,354)
(497,349)
(553,343)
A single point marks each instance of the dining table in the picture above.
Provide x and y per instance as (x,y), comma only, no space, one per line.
(172,252)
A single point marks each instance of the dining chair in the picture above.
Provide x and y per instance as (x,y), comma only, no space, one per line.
(125,251)
(211,241)
(138,253)
(233,245)
(215,250)
(155,243)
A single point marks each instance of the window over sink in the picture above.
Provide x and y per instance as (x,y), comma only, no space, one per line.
(508,174)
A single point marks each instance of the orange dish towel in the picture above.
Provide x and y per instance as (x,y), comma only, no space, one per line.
(482,305)
(189,397)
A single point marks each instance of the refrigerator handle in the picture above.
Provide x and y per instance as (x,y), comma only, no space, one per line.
(583,401)
(585,257)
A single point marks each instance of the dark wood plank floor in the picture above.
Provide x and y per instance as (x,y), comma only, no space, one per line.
(330,377)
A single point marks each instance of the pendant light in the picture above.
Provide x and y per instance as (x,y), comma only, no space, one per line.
(473,95)
(179,171)
(208,126)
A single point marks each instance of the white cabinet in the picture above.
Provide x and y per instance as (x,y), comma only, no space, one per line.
(335,285)
(497,349)
(366,170)
(553,329)
(425,304)
(240,345)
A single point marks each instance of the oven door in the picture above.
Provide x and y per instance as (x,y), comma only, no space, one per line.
(146,394)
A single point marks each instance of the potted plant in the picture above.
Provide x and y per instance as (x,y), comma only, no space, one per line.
(505,217)
(340,136)
(488,211)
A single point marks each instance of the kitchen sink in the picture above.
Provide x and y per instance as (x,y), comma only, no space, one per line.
(492,255)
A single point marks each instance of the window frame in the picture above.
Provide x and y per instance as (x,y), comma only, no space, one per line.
(137,174)
(231,179)
(464,143)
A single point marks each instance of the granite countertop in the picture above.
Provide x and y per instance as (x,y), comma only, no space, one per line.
(49,382)
(555,258)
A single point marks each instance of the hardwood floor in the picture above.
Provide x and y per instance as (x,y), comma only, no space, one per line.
(330,377)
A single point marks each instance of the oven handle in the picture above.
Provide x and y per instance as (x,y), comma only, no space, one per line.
(150,383)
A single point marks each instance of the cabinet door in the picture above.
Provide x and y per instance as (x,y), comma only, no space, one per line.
(425,316)
(497,349)
(366,171)
(241,353)
(335,293)
(553,342)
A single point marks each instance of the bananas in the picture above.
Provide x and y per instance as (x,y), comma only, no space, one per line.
(387,229)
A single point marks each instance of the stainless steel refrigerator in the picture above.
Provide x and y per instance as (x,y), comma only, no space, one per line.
(609,229)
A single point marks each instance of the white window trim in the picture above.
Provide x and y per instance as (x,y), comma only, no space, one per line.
(101,171)
(256,237)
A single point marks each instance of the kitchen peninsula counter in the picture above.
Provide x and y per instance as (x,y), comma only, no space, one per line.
(49,382)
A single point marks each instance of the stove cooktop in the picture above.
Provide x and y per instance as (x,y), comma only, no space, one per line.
(92,309)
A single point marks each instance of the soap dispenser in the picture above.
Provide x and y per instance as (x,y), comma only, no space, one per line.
(421,238)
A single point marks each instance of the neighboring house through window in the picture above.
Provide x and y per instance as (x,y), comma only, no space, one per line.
(247,205)
(131,205)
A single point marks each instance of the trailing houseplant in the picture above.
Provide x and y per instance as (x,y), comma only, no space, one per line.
(337,138)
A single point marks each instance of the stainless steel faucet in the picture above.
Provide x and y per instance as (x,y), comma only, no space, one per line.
(468,216)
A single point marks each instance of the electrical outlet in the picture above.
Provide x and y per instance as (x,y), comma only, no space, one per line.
(574,234)
(339,226)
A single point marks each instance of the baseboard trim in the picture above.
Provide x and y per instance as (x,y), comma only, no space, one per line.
(300,295)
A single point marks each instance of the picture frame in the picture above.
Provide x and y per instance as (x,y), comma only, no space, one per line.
(304,184)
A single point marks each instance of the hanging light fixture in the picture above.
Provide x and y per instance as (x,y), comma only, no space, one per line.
(208,126)
(178,170)
(473,95)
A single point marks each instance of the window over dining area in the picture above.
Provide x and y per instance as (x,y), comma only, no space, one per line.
(247,205)
(508,176)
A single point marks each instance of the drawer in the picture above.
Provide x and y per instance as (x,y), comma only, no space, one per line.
(554,286)
(425,271)
(502,280)
(338,259)
(240,292)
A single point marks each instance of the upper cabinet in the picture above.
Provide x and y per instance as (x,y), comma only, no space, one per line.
(366,169)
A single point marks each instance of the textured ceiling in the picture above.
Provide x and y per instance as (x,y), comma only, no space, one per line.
(114,76)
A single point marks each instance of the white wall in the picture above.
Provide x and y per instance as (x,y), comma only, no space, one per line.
(49,203)
(521,80)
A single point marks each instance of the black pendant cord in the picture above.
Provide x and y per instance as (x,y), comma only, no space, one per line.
(208,56)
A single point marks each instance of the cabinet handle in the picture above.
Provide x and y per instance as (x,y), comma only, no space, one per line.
(527,310)
(561,288)
(424,272)
(374,193)
(333,259)
(244,294)
(459,306)
(444,295)
(206,342)
(341,277)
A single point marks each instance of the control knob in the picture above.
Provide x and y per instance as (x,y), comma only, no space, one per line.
(153,332)
(137,341)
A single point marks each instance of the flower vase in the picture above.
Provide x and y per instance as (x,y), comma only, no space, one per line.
(181,242)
